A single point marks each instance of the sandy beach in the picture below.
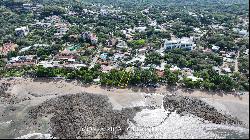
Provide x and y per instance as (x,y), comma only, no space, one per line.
(28,93)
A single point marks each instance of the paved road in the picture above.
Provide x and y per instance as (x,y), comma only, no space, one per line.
(92,64)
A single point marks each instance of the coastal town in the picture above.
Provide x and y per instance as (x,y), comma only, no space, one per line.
(167,49)
(124,69)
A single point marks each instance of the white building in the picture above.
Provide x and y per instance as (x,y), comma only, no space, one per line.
(194,79)
(215,48)
(122,44)
(140,29)
(22,31)
(241,32)
(183,43)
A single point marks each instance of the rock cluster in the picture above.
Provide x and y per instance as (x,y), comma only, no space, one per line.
(3,88)
(84,116)
(189,105)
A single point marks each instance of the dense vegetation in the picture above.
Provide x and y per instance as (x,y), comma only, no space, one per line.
(131,13)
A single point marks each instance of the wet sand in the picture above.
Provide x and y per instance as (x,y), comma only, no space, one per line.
(28,93)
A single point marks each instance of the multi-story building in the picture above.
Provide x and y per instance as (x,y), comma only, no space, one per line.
(90,37)
(183,43)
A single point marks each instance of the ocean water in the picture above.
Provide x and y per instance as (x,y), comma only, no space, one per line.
(36,136)
(159,124)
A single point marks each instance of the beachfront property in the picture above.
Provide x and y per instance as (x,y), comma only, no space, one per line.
(194,79)
(21,61)
(183,43)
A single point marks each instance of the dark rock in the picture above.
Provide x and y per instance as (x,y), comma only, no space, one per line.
(183,105)
(83,116)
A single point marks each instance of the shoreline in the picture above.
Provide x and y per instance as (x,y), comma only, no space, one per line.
(24,94)
(162,90)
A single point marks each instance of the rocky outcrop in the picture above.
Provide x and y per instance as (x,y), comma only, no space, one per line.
(83,116)
(189,105)
(3,88)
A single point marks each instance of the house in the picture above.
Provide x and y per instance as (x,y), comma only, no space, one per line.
(41,25)
(65,57)
(246,52)
(162,67)
(226,70)
(140,58)
(88,36)
(142,50)
(91,47)
(103,12)
(243,32)
(21,61)
(153,23)
(25,49)
(215,48)
(105,49)
(230,55)
(105,68)
(27,6)
(122,45)
(104,56)
(229,60)
(53,19)
(27,58)
(112,42)
(193,78)
(19,64)
(31,6)
(160,73)
(40,45)
(183,43)
(7,47)
(118,56)
(22,31)
(217,69)
(140,29)
(223,53)
(61,30)
(97,80)
(187,71)
(207,50)
(46,64)
(74,65)
(94,39)
(175,68)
